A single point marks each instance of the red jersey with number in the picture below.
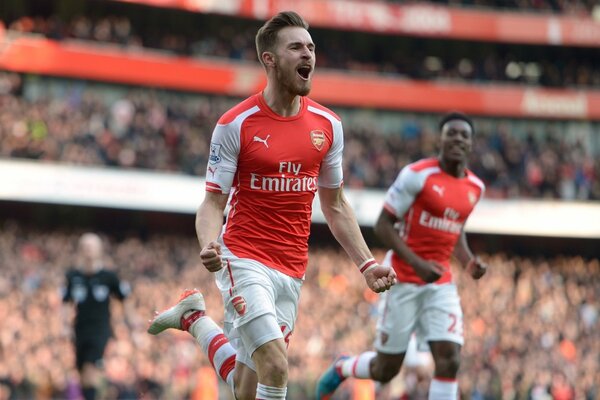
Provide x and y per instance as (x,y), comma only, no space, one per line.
(432,207)
(272,165)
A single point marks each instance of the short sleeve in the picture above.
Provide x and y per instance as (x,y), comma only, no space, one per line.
(223,158)
(401,195)
(331,174)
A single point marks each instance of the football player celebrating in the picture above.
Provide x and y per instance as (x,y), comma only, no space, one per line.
(272,153)
(422,224)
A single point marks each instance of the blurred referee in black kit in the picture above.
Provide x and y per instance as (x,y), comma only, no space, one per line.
(90,287)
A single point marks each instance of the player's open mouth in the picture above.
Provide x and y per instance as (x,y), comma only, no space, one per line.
(304,72)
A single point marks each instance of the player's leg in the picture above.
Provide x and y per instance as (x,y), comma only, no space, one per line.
(398,315)
(271,363)
(263,340)
(443,330)
(444,385)
(249,292)
(385,367)
(245,382)
(189,314)
(275,302)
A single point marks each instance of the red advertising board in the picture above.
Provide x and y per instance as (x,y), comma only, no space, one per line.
(413,19)
(46,57)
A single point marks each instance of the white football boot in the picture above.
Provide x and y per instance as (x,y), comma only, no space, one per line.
(175,317)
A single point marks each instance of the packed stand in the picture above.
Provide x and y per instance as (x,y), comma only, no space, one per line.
(530,329)
(569,7)
(225,37)
(142,128)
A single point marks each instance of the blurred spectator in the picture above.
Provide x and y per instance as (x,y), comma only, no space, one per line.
(577,7)
(87,124)
(416,58)
(519,322)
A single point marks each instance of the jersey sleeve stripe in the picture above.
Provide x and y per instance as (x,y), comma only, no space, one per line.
(213,187)
(330,116)
(477,182)
(240,117)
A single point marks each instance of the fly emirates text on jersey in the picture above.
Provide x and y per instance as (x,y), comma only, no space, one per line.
(446,224)
(284,183)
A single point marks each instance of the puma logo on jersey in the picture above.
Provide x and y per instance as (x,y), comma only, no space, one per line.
(263,141)
(438,189)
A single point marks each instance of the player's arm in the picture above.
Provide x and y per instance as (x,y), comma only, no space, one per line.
(389,237)
(209,221)
(221,168)
(429,271)
(398,200)
(342,222)
(465,257)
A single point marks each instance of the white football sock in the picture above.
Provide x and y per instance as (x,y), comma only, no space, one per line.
(358,366)
(264,392)
(215,345)
(443,389)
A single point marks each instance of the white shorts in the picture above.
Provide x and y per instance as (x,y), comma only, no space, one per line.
(431,311)
(251,290)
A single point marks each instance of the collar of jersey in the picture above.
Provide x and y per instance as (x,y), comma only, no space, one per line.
(439,165)
(272,114)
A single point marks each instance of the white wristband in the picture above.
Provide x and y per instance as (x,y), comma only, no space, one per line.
(365,265)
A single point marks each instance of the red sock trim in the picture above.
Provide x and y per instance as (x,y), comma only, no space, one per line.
(354,366)
(441,379)
(338,369)
(227,367)
(215,344)
(187,322)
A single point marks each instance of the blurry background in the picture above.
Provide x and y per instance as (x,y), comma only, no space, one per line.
(106,111)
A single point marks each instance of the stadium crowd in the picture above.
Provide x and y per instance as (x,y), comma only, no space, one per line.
(577,7)
(78,123)
(234,39)
(530,328)
(531,324)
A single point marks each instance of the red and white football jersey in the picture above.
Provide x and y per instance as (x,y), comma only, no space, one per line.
(432,207)
(273,165)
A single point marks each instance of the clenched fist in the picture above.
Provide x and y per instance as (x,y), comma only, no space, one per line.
(380,278)
(476,268)
(211,257)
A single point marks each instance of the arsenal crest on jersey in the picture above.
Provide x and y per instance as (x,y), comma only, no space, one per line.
(472,197)
(318,139)
(239,304)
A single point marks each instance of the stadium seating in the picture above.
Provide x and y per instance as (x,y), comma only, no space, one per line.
(532,85)
(530,326)
(95,124)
